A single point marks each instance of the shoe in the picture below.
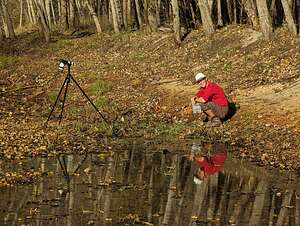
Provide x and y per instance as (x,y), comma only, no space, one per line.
(214,122)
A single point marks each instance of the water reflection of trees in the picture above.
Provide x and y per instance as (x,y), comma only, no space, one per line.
(144,188)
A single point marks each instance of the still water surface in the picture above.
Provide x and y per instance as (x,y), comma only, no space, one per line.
(150,187)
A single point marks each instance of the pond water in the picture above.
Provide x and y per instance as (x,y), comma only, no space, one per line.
(150,186)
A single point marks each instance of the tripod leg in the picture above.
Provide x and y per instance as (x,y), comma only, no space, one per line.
(88,99)
(64,100)
(53,107)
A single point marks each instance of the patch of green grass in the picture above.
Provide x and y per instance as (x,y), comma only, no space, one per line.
(102,102)
(169,130)
(52,95)
(102,127)
(6,60)
(61,44)
(100,87)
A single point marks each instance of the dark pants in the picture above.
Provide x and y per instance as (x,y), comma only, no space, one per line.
(218,110)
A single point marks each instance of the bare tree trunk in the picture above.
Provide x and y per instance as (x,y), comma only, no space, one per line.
(114,16)
(48,12)
(235,18)
(1,32)
(125,13)
(289,17)
(7,21)
(192,13)
(220,19)
(176,22)
(157,11)
(213,187)
(230,10)
(71,194)
(43,21)
(207,22)
(74,15)
(210,5)
(258,203)
(243,199)
(264,18)
(53,12)
(119,12)
(29,12)
(21,14)
(272,209)
(171,193)
(152,15)
(250,8)
(285,202)
(138,12)
(64,22)
(95,18)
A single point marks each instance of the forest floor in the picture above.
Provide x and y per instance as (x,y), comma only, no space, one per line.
(141,82)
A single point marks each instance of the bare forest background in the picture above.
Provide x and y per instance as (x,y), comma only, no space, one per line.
(182,16)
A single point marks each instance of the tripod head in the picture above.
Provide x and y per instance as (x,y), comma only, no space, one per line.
(62,64)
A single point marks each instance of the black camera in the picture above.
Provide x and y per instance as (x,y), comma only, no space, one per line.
(62,64)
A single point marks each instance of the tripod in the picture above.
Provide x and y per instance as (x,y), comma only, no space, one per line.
(65,84)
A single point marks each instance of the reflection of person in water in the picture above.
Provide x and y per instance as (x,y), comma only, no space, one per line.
(209,165)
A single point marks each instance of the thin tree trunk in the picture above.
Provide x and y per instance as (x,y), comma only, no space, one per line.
(95,18)
(207,22)
(29,12)
(74,15)
(171,193)
(157,11)
(71,194)
(264,18)
(152,15)
(7,21)
(230,11)
(43,22)
(249,6)
(114,16)
(176,22)
(192,13)
(64,15)
(138,13)
(243,199)
(53,12)
(272,210)
(210,6)
(289,17)
(283,212)
(21,14)
(125,13)
(48,12)
(220,19)
(1,32)
(235,19)
(258,203)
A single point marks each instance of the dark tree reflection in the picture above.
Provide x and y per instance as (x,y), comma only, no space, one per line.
(150,187)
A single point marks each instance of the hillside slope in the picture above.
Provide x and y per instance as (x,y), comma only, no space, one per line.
(143,86)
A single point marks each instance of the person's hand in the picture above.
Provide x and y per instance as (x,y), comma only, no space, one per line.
(193,100)
(191,157)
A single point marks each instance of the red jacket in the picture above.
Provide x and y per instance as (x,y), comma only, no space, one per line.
(215,164)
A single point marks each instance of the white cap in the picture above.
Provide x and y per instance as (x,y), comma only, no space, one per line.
(200,76)
(197,180)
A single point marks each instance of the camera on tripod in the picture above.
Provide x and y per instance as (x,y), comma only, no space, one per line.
(62,64)
(65,86)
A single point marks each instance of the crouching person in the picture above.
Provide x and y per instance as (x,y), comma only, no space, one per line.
(210,99)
